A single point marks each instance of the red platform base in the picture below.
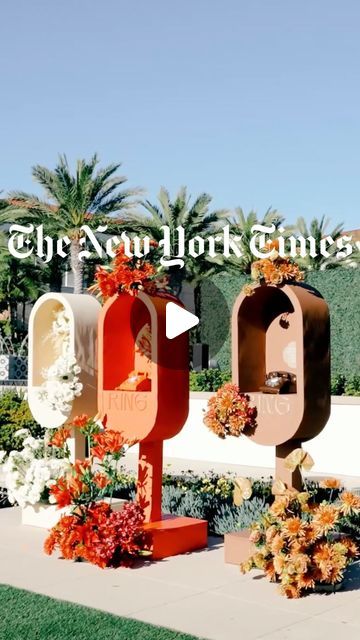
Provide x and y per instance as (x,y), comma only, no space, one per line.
(173,535)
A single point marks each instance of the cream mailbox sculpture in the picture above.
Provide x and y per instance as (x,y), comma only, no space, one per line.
(281,358)
(62,379)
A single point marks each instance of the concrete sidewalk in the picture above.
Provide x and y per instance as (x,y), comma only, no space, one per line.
(195,593)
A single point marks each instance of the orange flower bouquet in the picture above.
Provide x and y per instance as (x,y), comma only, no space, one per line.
(299,543)
(129,274)
(273,270)
(276,271)
(92,530)
(229,412)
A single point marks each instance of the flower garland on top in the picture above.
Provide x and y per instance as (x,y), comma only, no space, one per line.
(274,270)
(61,380)
(129,275)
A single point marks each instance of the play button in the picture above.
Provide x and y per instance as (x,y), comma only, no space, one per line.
(178,320)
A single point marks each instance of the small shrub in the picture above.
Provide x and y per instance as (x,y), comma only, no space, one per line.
(125,486)
(15,414)
(232,518)
(210,497)
(345,386)
(4,502)
(352,386)
(208,379)
(212,379)
(338,385)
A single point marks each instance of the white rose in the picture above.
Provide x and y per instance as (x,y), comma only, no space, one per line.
(22,433)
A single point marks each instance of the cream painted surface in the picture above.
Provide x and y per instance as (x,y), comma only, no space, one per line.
(83,311)
(46,516)
(335,450)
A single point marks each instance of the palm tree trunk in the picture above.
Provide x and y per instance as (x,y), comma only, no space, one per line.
(77,267)
(55,273)
(197,305)
(23,316)
(14,319)
(176,277)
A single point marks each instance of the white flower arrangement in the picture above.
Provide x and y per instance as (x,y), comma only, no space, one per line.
(61,382)
(61,324)
(28,476)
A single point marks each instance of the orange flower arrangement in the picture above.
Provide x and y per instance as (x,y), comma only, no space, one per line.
(108,442)
(92,531)
(298,544)
(229,412)
(330,483)
(60,437)
(274,270)
(127,274)
(82,485)
(100,536)
(349,503)
(80,421)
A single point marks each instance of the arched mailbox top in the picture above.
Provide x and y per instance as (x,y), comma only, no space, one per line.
(143,376)
(283,329)
(82,314)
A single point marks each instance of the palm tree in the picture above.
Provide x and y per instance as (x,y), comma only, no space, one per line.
(7,216)
(196,220)
(242,224)
(318,230)
(87,197)
(21,282)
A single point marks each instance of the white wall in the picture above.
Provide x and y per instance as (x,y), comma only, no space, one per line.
(336,451)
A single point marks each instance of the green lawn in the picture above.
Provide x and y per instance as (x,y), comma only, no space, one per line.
(29,616)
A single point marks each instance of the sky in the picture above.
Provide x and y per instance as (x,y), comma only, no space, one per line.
(253,101)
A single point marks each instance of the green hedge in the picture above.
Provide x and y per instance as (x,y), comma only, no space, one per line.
(341,289)
(14,415)
(212,379)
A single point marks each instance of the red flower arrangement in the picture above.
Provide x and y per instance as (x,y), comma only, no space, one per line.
(93,531)
(229,412)
(127,274)
(100,536)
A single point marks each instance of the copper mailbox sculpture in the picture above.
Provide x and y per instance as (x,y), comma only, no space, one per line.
(143,391)
(282,330)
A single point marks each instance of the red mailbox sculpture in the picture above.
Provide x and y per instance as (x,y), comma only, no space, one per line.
(143,390)
(286,330)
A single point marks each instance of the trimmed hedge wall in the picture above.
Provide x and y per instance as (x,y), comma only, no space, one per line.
(341,289)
